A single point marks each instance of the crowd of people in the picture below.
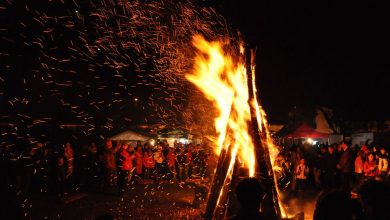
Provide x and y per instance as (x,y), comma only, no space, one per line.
(114,166)
(331,166)
(108,167)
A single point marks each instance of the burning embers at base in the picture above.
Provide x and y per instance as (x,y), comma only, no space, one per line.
(223,78)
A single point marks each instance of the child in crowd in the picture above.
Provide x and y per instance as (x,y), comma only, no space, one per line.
(301,174)
(370,167)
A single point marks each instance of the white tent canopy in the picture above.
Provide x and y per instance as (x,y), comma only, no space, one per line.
(130,136)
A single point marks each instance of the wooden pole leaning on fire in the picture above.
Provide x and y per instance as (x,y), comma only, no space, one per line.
(218,182)
(270,204)
(264,173)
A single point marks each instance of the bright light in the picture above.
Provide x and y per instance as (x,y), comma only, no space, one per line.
(311,141)
(135,99)
(183,141)
(152,142)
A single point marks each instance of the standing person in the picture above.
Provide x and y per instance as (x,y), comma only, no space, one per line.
(125,167)
(301,174)
(60,176)
(159,158)
(95,167)
(364,148)
(181,164)
(345,167)
(171,162)
(39,158)
(109,164)
(370,167)
(69,156)
(148,163)
(359,167)
(189,161)
(318,166)
(329,168)
(201,161)
(138,161)
(296,155)
(383,163)
(83,167)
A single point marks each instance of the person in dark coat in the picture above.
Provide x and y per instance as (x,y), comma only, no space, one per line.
(346,167)
(329,170)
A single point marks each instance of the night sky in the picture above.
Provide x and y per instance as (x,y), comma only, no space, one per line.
(309,54)
(331,53)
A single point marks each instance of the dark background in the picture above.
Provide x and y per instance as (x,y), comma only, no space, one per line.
(332,53)
(309,53)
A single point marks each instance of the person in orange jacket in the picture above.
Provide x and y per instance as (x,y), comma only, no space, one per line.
(109,163)
(148,163)
(138,160)
(126,160)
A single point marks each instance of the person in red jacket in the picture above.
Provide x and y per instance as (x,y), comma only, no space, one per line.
(370,167)
(148,163)
(138,161)
(171,162)
(359,168)
(109,164)
(126,159)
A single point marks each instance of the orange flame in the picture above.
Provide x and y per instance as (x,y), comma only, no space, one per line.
(223,81)
(272,149)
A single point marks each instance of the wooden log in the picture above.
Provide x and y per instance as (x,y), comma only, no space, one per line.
(270,205)
(218,183)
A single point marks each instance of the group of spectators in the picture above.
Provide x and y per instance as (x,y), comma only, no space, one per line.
(108,167)
(332,166)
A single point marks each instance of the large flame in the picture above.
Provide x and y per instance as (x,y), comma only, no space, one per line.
(223,80)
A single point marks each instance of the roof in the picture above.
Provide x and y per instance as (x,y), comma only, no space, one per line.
(306,131)
(130,136)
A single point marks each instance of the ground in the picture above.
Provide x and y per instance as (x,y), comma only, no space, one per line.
(301,206)
(143,201)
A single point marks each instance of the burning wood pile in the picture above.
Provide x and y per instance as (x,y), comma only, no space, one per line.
(243,143)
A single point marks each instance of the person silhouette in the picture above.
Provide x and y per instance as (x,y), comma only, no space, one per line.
(375,199)
(249,194)
(333,205)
